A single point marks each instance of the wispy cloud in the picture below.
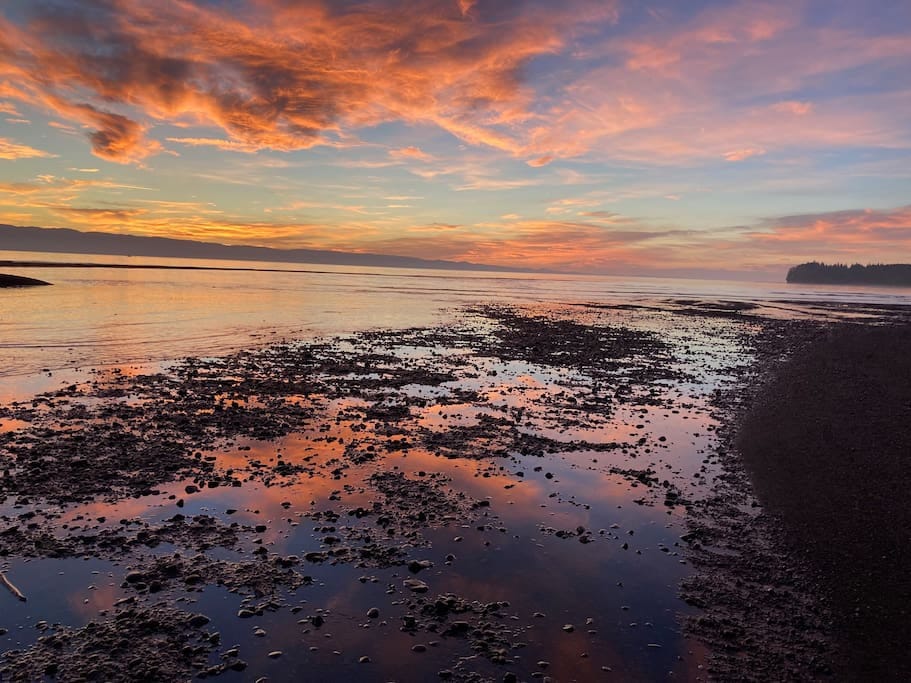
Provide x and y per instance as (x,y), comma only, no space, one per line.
(410,152)
(13,150)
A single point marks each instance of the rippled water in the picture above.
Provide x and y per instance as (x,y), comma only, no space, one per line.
(98,316)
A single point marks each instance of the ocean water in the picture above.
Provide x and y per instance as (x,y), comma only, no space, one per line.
(102,316)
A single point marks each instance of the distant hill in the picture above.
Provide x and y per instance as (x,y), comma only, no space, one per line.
(891,275)
(66,241)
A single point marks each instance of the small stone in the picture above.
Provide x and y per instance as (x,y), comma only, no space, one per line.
(364,660)
(417,565)
(569,628)
(198,620)
(415,585)
(275,654)
(373,612)
(419,648)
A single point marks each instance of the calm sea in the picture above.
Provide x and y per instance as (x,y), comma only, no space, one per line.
(100,316)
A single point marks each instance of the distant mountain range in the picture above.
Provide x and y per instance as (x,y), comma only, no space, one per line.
(66,241)
(893,275)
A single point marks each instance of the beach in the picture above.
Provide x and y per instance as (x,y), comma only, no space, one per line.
(583,491)
(827,445)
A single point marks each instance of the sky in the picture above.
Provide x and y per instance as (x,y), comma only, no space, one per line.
(592,136)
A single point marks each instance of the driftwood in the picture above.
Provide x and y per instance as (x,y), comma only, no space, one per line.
(11,588)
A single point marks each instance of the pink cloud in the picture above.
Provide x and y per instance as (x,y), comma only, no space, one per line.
(743,153)
(793,107)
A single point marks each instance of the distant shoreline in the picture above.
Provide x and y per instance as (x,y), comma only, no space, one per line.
(876,275)
(482,275)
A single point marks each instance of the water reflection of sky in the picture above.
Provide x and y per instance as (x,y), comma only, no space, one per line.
(101,316)
(625,580)
(71,591)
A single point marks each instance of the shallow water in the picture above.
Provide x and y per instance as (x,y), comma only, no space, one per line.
(98,316)
(619,590)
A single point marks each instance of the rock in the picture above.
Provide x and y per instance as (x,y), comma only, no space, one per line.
(416,585)
(419,648)
(417,565)
(364,660)
(275,654)
(134,577)
(198,620)
(569,628)
(245,613)
(373,612)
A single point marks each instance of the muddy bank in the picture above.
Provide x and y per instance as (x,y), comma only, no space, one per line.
(18,281)
(828,447)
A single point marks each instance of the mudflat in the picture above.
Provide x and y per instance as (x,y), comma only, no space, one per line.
(828,447)
(525,491)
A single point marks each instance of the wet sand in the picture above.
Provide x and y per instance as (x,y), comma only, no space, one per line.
(829,447)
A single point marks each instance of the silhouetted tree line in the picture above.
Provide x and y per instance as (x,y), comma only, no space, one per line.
(896,274)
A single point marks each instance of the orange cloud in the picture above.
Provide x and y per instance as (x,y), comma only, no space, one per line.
(873,229)
(410,152)
(13,150)
(540,161)
(279,75)
(218,143)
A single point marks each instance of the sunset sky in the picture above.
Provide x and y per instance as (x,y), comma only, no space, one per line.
(608,137)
